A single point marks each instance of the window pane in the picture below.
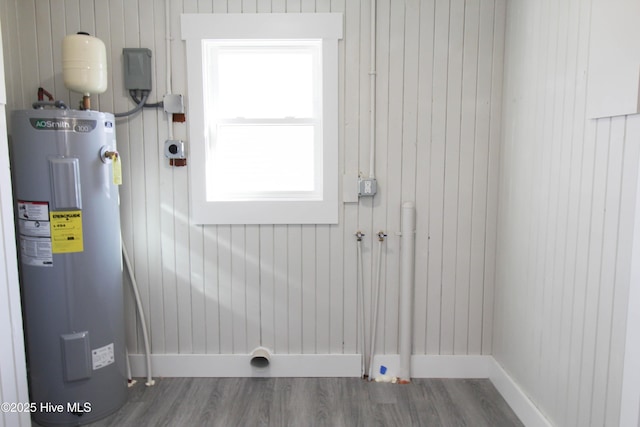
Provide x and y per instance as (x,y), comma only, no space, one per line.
(260,161)
(266,82)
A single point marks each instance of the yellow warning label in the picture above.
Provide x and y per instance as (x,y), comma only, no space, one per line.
(117,171)
(66,232)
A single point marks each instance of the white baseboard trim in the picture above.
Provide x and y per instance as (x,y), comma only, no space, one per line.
(517,399)
(344,365)
(238,365)
(427,366)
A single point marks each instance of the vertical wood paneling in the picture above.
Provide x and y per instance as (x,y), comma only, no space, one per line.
(205,6)
(365,207)
(479,194)
(380,216)
(338,235)
(322,300)
(123,31)
(609,264)
(350,95)
(28,72)
(234,6)
(183,227)
(393,160)
(465,176)
(211,291)
(267,287)
(144,154)
(227,289)
(225,258)
(13,375)
(196,281)
(493,168)
(294,289)
(565,214)
(436,179)
(309,290)
(571,219)
(45,45)
(451,171)
(263,6)
(219,6)
(422,307)
(590,321)
(157,202)
(238,289)
(281,288)
(621,295)
(253,284)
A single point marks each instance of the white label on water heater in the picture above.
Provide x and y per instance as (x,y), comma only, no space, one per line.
(34,231)
(36,251)
(103,356)
(33,211)
(34,228)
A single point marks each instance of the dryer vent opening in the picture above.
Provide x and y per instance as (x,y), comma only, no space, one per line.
(260,357)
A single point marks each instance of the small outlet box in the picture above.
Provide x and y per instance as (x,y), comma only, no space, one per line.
(173,104)
(367,187)
(174,149)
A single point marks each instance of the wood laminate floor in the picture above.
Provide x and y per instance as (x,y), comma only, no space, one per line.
(312,402)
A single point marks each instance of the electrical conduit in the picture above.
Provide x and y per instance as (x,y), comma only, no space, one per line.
(167,24)
(372,93)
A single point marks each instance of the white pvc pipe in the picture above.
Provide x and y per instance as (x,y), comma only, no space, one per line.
(407,268)
(374,321)
(360,286)
(143,322)
(129,377)
(372,93)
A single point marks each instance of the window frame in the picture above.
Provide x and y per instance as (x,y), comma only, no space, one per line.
(212,51)
(326,27)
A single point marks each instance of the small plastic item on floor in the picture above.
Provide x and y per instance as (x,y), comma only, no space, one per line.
(384,378)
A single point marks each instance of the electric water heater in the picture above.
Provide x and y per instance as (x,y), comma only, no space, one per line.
(65,171)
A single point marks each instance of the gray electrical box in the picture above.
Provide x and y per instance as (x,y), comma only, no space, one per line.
(367,187)
(173,103)
(137,68)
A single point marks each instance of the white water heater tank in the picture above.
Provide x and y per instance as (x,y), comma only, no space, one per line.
(84,64)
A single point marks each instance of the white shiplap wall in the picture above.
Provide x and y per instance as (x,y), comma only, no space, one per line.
(13,375)
(566,212)
(227,289)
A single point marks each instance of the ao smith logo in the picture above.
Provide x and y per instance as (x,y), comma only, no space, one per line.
(51,124)
(63,124)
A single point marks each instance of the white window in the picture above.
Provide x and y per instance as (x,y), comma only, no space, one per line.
(263,116)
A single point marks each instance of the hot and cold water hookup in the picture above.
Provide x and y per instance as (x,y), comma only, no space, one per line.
(407,266)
